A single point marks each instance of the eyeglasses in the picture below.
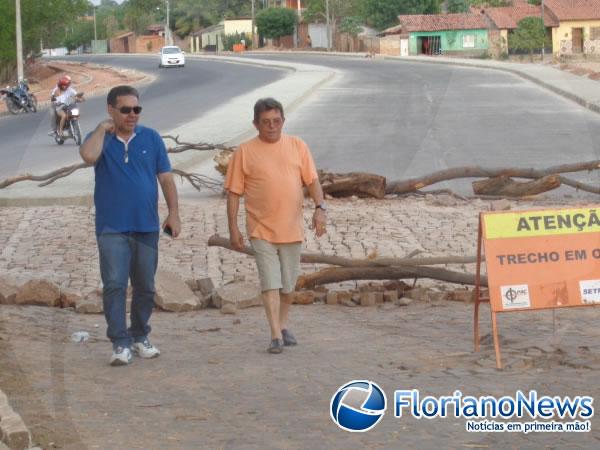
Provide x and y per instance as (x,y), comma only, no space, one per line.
(127,109)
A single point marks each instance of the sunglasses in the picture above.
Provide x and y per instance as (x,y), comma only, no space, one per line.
(127,109)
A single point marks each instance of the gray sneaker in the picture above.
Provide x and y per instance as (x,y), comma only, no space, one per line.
(288,338)
(121,356)
(276,346)
(145,349)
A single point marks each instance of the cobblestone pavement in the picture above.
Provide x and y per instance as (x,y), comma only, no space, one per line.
(214,386)
(58,242)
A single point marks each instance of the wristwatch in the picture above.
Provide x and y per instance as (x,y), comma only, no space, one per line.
(322,206)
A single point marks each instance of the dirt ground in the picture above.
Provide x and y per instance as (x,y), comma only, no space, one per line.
(215,386)
(588,69)
(88,78)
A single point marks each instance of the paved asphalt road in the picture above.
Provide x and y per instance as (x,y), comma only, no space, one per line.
(175,96)
(402,119)
(398,119)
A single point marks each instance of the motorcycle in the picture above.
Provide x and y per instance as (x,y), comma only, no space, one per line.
(19,99)
(72,130)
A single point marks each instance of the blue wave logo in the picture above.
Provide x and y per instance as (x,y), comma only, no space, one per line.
(358,406)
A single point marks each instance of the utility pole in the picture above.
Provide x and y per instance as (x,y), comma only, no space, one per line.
(543,28)
(328,25)
(253,26)
(299,5)
(95,33)
(168,30)
(20,74)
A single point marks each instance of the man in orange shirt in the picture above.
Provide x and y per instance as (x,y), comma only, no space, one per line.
(270,171)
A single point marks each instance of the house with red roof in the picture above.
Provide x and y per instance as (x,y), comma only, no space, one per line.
(578,31)
(505,19)
(433,34)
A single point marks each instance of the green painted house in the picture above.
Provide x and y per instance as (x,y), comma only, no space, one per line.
(449,34)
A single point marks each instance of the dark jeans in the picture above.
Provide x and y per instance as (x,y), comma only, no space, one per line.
(124,256)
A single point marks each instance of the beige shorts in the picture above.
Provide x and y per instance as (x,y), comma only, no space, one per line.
(278,264)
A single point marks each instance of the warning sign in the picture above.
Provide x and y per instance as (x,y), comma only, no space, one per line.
(542,259)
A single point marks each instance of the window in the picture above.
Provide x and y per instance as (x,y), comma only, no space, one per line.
(469,41)
(595,33)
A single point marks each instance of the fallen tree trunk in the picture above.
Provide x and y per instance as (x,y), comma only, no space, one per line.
(317,258)
(507,187)
(355,183)
(414,184)
(339,274)
(371,269)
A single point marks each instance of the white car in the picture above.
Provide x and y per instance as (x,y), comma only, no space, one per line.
(171,56)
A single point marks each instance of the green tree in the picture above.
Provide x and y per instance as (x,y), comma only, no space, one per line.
(384,13)
(45,21)
(338,9)
(529,36)
(351,25)
(274,23)
(81,33)
(458,6)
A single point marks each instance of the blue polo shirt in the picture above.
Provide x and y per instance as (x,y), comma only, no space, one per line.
(126,192)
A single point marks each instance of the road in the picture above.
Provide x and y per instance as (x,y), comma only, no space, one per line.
(185,93)
(402,119)
(395,118)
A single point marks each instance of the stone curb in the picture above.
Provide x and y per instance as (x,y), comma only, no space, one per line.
(13,431)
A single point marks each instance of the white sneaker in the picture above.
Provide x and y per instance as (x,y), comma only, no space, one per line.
(145,349)
(121,356)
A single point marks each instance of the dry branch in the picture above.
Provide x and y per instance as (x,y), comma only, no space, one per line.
(507,187)
(54,175)
(355,183)
(414,184)
(199,181)
(196,180)
(339,274)
(370,269)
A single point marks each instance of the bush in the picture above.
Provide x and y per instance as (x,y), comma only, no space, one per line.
(530,36)
(274,23)
(229,40)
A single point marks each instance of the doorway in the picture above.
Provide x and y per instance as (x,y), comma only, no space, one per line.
(577,37)
(429,45)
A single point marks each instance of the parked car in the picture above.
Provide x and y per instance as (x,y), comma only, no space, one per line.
(171,56)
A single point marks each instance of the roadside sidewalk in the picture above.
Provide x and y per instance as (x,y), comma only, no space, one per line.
(582,90)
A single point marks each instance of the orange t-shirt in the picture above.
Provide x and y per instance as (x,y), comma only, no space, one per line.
(270,177)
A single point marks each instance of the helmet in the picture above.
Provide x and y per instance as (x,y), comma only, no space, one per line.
(64,82)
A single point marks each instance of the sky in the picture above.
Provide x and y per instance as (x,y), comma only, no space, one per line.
(97,2)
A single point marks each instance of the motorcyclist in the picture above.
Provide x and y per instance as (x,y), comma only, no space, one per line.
(62,94)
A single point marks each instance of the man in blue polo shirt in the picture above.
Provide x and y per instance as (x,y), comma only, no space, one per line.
(128,159)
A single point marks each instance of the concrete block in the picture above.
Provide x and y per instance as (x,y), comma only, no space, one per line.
(332,298)
(38,292)
(205,285)
(8,292)
(173,294)
(303,297)
(240,295)
(390,296)
(14,433)
(367,299)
